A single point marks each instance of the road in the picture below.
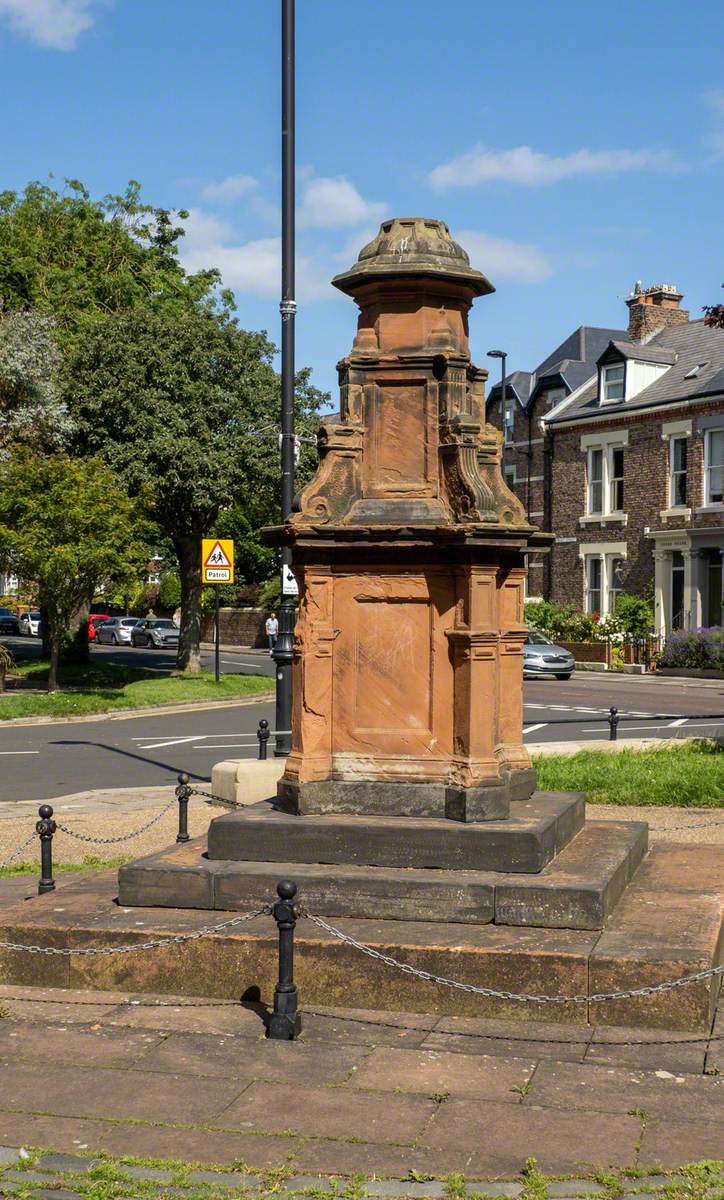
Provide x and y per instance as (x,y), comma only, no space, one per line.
(248,662)
(41,761)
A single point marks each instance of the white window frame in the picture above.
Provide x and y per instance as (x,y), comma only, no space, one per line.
(589,561)
(674,473)
(606,553)
(607,480)
(710,467)
(509,422)
(606,384)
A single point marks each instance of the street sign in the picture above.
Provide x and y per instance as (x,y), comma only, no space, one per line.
(290,587)
(217,557)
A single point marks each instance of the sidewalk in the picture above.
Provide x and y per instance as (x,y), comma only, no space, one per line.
(389,1095)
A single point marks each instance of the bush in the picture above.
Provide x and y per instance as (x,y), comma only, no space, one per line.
(701,650)
(635,614)
(562,622)
(169,592)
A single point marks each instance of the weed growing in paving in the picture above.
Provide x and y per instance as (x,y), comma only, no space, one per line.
(679,776)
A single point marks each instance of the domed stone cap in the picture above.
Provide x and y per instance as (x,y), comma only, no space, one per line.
(413,246)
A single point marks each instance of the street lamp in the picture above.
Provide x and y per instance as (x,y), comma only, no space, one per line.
(284,643)
(503,356)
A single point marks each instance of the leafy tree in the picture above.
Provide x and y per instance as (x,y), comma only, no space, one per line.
(30,409)
(68,526)
(80,259)
(169,592)
(182,405)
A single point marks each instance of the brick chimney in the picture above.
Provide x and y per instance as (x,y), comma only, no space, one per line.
(651,309)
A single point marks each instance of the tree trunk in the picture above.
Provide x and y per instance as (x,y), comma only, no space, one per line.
(55,639)
(188,551)
(3,672)
(79,651)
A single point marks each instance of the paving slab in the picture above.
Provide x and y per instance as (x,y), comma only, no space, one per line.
(328,1112)
(140,1096)
(534,1039)
(73,1043)
(670,1143)
(438,1072)
(500,1137)
(202,1055)
(608,1089)
(65,1162)
(366,1027)
(375,1159)
(650,1051)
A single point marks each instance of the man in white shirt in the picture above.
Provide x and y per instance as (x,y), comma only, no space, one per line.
(272,629)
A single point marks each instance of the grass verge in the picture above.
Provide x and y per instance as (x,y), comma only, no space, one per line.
(90,863)
(689,776)
(95,688)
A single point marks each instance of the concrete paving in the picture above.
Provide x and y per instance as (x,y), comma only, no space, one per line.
(393,1096)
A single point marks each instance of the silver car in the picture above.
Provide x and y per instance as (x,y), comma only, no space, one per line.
(156,631)
(541,657)
(116,631)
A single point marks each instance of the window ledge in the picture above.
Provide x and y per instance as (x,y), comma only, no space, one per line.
(604,519)
(710,508)
(678,511)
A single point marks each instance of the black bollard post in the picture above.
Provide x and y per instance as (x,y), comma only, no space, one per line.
(183,791)
(284,1024)
(612,724)
(263,735)
(45,828)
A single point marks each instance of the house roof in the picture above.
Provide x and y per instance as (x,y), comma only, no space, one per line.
(571,363)
(691,345)
(648,352)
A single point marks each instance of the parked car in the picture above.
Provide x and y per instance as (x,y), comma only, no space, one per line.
(156,631)
(541,657)
(30,623)
(94,621)
(116,631)
(8,621)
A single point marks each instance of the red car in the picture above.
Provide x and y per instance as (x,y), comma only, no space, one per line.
(93,620)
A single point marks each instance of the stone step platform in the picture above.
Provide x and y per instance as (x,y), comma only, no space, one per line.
(669,923)
(527,841)
(578,890)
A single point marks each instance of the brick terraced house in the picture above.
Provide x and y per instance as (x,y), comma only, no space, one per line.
(616,444)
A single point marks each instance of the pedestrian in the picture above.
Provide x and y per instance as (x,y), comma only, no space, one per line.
(177,618)
(272,629)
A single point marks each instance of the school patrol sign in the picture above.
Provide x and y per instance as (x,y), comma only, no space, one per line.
(217,557)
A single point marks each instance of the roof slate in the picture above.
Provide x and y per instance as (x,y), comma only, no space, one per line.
(693,343)
(573,362)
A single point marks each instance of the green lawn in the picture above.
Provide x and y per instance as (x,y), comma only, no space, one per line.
(90,863)
(103,687)
(685,776)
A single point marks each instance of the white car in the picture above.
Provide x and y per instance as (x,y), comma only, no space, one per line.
(116,631)
(30,623)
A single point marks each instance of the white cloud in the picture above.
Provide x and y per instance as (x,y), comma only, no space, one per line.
(228,189)
(327,203)
(52,24)
(253,267)
(502,259)
(533,169)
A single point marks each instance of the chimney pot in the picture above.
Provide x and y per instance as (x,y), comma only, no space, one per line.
(651,309)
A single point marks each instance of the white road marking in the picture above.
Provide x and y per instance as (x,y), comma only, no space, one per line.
(532,728)
(172,742)
(19,752)
(680,721)
(226,746)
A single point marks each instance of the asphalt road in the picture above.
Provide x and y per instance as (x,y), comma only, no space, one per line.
(250,662)
(41,761)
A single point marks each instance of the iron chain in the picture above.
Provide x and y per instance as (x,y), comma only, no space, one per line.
(524,997)
(123,837)
(179,938)
(215,799)
(18,850)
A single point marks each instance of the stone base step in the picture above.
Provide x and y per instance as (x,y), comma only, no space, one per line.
(668,924)
(535,832)
(577,891)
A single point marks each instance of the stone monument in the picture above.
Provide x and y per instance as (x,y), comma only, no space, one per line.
(408,793)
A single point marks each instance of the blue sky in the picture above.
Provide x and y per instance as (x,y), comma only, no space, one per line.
(572,148)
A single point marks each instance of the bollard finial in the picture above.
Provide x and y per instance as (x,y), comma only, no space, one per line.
(183,779)
(286,890)
(45,812)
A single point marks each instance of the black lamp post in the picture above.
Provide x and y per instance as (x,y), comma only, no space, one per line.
(287,308)
(503,356)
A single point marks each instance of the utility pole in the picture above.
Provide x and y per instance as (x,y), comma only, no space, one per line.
(287,308)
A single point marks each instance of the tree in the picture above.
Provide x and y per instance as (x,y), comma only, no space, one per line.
(80,259)
(31,411)
(68,526)
(182,405)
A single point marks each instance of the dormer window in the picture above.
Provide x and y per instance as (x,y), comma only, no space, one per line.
(612,383)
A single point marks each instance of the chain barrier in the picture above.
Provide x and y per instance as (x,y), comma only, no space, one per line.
(124,837)
(156,943)
(492,993)
(194,791)
(18,850)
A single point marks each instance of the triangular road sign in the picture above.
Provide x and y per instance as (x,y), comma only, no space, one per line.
(217,557)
